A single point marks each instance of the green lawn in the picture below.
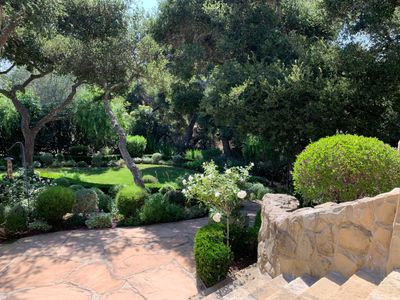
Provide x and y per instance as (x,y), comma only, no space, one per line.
(113,176)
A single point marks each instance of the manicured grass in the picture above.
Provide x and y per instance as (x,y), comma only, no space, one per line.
(113,176)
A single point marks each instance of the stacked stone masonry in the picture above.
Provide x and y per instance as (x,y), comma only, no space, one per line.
(342,237)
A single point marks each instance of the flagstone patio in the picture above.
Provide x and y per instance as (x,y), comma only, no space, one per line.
(149,262)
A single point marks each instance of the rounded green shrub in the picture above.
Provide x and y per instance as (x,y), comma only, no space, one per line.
(158,210)
(156,158)
(212,256)
(130,199)
(69,163)
(149,179)
(86,201)
(62,182)
(59,157)
(39,225)
(16,219)
(53,203)
(79,150)
(105,201)
(344,168)
(257,191)
(136,145)
(176,197)
(46,158)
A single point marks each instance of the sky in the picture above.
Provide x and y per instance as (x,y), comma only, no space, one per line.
(149,5)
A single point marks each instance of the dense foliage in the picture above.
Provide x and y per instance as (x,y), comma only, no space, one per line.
(53,203)
(213,257)
(344,168)
(130,199)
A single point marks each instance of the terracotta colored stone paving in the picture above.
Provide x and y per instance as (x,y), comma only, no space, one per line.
(150,262)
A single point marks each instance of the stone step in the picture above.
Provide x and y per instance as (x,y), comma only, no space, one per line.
(240,293)
(324,288)
(261,291)
(358,286)
(388,289)
(293,289)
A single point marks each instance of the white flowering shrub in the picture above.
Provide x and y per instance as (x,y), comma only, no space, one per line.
(219,191)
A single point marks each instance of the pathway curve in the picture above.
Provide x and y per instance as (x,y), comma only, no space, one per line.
(149,262)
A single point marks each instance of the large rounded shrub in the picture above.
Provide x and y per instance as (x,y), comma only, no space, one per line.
(130,199)
(136,145)
(86,201)
(53,203)
(16,219)
(344,168)
(212,256)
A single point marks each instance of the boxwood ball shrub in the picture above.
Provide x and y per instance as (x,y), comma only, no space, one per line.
(149,179)
(53,203)
(156,158)
(46,158)
(130,199)
(105,201)
(16,219)
(86,201)
(344,168)
(212,256)
(136,145)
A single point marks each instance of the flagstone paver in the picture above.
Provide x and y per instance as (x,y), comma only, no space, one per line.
(149,262)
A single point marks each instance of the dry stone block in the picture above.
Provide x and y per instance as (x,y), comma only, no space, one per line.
(354,238)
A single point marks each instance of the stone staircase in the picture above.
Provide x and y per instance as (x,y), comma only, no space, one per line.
(250,284)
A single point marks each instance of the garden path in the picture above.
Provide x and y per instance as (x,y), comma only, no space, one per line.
(149,262)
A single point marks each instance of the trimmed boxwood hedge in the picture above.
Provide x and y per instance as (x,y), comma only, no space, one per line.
(213,257)
(345,167)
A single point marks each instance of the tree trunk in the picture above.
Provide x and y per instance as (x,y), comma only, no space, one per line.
(189,131)
(137,178)
(226,146)
(29,147)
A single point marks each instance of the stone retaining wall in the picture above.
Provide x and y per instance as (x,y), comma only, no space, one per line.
(331,237)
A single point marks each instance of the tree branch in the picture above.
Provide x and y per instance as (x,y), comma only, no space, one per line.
(50,116)
(10,27)
(7,70)
(21,87)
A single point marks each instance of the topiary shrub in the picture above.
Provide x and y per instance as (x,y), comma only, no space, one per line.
(97,160)
(212,256)
(176,197)
(36,164)
(130,199)
(156,158)
(86,201)
(147,160)
(82,164)
(105,201)
(158,210)
(99,220)
(344,168)
(149,179)
(53,203)
(138,160)
(16,219)
(257,191)
(136,145)
(62,182)
(46,158)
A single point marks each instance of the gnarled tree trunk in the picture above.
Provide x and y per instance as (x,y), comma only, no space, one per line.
(122,144)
